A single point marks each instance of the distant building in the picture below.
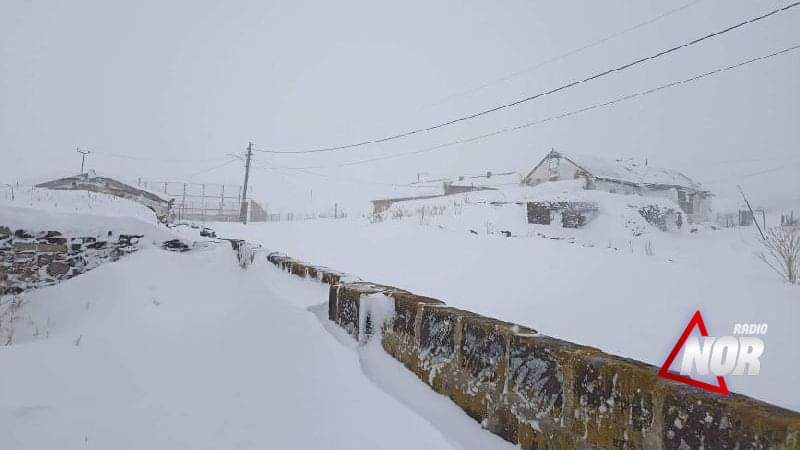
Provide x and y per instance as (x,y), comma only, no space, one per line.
(482,182)
(426,189)
(93,183)
(625,176)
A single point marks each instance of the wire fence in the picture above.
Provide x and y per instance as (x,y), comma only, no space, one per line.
(204,202)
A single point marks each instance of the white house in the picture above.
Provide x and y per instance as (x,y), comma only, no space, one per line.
(625,176)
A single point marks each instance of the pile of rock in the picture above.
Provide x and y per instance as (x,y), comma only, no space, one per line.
(32,259)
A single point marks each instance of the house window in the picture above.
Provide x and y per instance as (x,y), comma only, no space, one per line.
(553,167)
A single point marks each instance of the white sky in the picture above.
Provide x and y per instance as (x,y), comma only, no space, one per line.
(195,80)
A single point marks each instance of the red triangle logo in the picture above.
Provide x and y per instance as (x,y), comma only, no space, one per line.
(720,388)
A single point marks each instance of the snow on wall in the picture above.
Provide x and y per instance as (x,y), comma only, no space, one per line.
(539,392)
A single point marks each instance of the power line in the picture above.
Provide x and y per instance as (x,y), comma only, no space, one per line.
(142,158)
(567,54)
(555,117)
(341,179)
(540,94)
(226,163)
(753,174)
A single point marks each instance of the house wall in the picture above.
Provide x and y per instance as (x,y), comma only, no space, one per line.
(702,209)
(615,187)
(565,171)
(695,205)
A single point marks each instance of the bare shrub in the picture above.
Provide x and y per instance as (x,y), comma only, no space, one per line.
(782,252)
(649,248)
(9,308)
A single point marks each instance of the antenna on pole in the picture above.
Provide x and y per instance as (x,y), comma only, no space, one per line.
(83,157)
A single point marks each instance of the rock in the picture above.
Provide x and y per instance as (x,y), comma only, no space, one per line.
(176,245)
(22,234)
(51,248)
(57,269)
(20,247)
(129,239)
(57,240)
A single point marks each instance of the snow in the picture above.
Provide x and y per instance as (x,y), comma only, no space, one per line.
(494,211)
(186,351)
(630,170)
(614,296)
(78,213)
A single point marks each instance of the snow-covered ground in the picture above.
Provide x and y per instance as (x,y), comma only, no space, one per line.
(619,297)
(168,350)
(187,351)
(77,212)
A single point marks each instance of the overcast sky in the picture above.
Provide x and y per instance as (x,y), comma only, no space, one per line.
(187,82)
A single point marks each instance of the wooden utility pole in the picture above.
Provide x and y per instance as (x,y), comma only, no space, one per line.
(83,156)
(753,214)
(243,213)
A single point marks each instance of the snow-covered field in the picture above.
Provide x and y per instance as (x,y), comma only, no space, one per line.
(187,351)
(619,297)
(164,350)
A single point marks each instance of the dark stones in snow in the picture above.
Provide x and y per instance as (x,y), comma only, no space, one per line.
(176,245)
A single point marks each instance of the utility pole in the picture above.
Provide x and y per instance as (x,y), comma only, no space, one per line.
(243,213)
(752,214)
(83,156)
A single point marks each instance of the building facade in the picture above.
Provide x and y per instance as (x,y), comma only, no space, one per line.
(625,176)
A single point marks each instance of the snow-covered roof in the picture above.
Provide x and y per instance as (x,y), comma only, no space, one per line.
(488,179)
(407,191)
(91,182)
(629,170)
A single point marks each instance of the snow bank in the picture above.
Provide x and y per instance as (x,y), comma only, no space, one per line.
(171,351)
(77,213)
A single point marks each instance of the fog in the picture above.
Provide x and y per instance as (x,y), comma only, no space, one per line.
(166,90)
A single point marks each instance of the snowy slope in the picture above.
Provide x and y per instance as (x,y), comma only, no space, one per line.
(618,299)
(77,213)
(187,351)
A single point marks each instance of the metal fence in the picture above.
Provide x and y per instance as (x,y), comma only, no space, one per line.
(204,202)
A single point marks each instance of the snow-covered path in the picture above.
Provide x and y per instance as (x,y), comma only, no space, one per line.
(188,351)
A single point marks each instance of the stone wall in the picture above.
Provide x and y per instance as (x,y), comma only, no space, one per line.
(544,393)
(32,259)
